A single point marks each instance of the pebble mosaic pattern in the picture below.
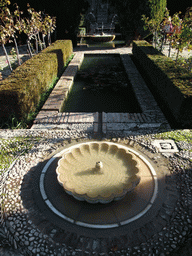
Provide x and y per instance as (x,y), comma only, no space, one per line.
(37,236)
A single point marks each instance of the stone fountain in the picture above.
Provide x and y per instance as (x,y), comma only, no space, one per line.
(99,23)
(98,172)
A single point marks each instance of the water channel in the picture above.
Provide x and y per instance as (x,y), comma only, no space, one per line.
(102,85)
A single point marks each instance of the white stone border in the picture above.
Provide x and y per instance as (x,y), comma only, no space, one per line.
(161,149)
(98,226)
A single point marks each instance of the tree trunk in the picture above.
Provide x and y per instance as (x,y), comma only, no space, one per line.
(17,51)
(162,43)
(43,39)
(40,43)
(29,48)
(36,43)
(49,38)
(169,48)
(7,57)
(178,52)
(155,39)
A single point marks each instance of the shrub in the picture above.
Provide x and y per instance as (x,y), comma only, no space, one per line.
(171,82)
(21,91)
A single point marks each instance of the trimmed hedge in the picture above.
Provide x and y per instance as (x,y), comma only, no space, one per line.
(21,91)
(171,82)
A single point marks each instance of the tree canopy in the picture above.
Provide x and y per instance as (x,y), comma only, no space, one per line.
(67,13)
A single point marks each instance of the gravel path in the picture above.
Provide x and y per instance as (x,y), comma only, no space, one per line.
(4,68)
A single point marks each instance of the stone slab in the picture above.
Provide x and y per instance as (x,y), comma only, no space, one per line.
(128,126)
(165,146)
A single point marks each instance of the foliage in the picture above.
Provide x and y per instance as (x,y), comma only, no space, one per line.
(6,22)
(185,64)
(180,135)
(9,26)
(44,97)
(10,23)
(182,33)
(6,26)
(47,27)
(167,79)
(153,22)
(21,91)
(32,26)
(36,24)
(176,72)
(14,123)
(68,16)
(67,13)
(14,56)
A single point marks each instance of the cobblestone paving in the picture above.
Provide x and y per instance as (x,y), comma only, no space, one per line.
(31,232)
(67,121)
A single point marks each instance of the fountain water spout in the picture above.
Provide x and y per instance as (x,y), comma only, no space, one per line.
(113,20)
(91,15)
(99,165)
(93,24)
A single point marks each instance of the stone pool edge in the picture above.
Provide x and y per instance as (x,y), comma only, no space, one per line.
(50,116)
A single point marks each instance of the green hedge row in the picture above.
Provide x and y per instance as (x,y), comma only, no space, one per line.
(20,92)
(171,82)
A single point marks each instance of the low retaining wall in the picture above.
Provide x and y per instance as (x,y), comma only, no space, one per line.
(171,85)
(59,95)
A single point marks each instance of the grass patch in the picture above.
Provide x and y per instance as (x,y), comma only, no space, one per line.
(177,136)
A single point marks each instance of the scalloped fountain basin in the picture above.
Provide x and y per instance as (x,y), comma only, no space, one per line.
(98,171)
